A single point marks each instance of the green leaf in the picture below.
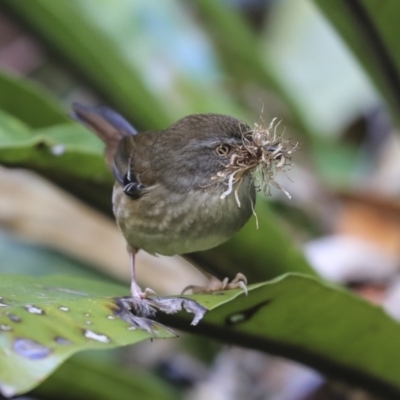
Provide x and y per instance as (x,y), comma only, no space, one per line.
(95,54)
(371,30)
(67,149)
(67,154)
(29,102)
(294,316)
(310,321)
(44,321)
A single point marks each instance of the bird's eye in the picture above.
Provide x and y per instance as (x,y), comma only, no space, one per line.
(222,150)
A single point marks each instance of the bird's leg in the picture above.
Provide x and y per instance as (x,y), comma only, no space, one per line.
(216,285)
(136,291)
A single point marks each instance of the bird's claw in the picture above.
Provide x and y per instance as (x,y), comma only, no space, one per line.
(215,285)
(147,292)
(137,292)
(243,286)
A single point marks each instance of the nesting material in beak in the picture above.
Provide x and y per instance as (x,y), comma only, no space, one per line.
(263,153)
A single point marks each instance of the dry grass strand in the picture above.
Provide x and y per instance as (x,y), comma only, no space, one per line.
(263,153)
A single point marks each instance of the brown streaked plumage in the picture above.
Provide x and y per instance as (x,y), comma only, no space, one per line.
(165,199)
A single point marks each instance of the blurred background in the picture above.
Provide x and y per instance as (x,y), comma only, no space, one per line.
(301,61)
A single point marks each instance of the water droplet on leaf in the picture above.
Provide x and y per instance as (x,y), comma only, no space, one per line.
(34,310)
(62,341)
(30,349)
(13,317)
(96,336)
(4,327)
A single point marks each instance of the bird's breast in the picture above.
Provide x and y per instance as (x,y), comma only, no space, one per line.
(168,223)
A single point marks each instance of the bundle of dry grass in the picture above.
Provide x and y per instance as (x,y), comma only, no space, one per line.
(263,153)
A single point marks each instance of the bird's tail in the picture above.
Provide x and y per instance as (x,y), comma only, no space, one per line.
(107,124)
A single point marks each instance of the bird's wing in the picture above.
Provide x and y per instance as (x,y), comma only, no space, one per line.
(107,124)
(132,162)
(128,153)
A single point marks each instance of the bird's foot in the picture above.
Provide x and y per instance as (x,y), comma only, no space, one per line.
(138,304)
(216,285)
(137,292)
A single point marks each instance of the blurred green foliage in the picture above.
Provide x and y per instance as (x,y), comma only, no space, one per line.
(156,62)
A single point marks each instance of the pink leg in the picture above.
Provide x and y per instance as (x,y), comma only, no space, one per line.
(136,291)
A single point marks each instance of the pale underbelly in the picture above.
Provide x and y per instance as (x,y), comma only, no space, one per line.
(193,223)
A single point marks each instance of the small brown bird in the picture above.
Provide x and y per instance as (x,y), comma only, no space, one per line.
(167,197)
